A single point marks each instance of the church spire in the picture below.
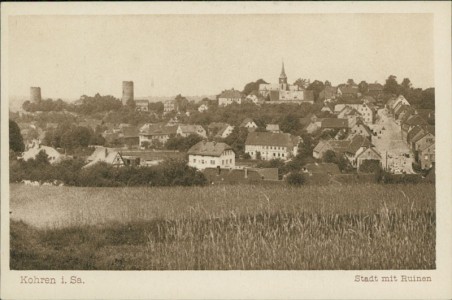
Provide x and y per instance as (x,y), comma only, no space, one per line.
(283,73)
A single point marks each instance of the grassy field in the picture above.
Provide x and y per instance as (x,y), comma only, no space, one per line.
(224,227)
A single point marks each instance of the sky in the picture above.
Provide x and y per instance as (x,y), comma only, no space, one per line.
(166,55)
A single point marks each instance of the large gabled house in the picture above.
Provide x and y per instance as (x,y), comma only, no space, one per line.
(410,123)
(211,155)
(268,145)
(375,89)
(186,130)
(156,133)
(426,156)
(228,97)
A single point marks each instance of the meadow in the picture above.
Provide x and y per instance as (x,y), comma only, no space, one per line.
(233,227)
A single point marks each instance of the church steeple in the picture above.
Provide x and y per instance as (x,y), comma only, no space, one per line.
(283,78)
(283,73)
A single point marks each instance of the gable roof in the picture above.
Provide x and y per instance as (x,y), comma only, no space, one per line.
(191,128)
(374,87)
(334,123)
(246,121)
(272,127)
(222,130)
(272,139)
(370,149)
(158,129)
(231,94)
(209,148)
(366,128)
(357,142)
(415,120)
(104,154)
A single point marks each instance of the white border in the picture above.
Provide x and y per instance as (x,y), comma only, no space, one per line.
(246,284)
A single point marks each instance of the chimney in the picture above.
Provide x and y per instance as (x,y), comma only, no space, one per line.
(246,173)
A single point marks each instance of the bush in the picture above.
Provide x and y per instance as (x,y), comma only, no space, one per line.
(296,179)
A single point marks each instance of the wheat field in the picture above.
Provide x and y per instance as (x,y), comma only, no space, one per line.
(243,227)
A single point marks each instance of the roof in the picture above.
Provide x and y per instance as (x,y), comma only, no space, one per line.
(366,128)
(272,127)
(369,99)
(334,123)
(222,130)
(413,132)
(152,154)
(374,87)
(327,168)
(158,129)
(246,121)
(426,114)
(32,152)
(370,149)
(209,148)
(283,72)
(231,94)
(357,142)
(191,128)
(103,154)
(272,139)
(415,120)
(349,90)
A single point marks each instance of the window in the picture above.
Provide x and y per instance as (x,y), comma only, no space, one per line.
(274,154)
(222,161)
(194,160)
(283,155)
(212,162)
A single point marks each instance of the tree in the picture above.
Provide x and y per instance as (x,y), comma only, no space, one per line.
(317,86)
(327,83)
(363,87)
(16,142)
(329,157)
(302,83)
(290,123)
(370,166)
(391,86)
(296,179)
(252,86)
(351,82)
(406,84)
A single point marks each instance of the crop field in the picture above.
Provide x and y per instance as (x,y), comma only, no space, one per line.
(243,227)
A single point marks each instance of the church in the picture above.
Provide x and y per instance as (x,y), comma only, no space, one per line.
(283,92)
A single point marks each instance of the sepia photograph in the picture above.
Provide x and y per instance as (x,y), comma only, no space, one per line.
(221,142)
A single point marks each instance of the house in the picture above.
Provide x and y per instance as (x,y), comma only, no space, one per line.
(357,145)
(269,145)
(249,124)
(202,108)
(426,156)
(337,146)
(328,93)
(255,98)
(375,89)
(334,123)
(53,155)
(107,155)
(367,112)
(211,155)
(348,91)
(169,106)
(224,131)
(427,114)
(328,107)
(368,99)
(410,123)
(214,127)
(186,130)
(361,129)
(230,96)
(399,102)
(156,133)
(422,140)
(149,157)
(273,128)
(142,105)
(367,153)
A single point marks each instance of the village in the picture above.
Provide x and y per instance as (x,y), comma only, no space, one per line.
(348,129)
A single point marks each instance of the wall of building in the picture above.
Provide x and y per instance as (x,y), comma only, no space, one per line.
(226,160)
(268,152)
(228,101)
(35,94)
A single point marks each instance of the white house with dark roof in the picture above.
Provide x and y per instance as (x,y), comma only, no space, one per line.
(230,96)
(248,123)
(186,130)
(269,145)
(211,155)
(107,155)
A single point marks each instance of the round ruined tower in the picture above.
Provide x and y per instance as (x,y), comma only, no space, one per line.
(127,92)
(35,94)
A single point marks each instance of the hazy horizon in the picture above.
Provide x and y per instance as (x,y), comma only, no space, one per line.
(166,55)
